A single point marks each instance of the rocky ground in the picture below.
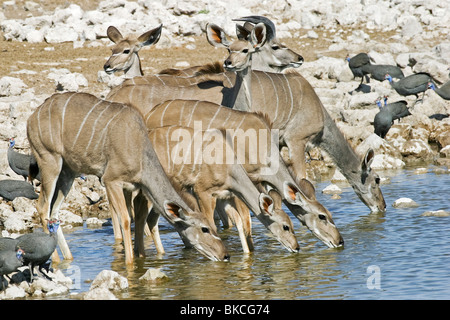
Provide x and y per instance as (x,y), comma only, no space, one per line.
(47,46)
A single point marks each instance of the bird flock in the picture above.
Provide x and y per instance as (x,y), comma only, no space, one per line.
(412,85)
(35,249)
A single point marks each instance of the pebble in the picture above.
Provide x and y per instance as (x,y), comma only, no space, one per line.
(438,213)
(405,203)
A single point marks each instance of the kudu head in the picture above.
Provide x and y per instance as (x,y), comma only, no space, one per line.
(125,51)
(196,232)
(273,56)
(279,223)
(367,186)
(240,51)
(302,201)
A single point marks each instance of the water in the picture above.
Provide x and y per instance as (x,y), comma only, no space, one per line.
(396,255)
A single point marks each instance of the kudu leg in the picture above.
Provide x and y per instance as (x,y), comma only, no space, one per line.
(50,167)
(237,214)
(141,210)
(116,198)
(63,186)
(152,223)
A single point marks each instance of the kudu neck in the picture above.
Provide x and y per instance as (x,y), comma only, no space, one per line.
(243,84)
(135,69)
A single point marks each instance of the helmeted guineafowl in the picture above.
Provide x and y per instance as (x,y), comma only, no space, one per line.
(19,162)
(356,65)
(39,246)
(10,261)
(443,91)
(11,189)
(385,118)
(411,85)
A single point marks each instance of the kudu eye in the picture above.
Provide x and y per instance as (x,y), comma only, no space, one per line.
(322,217)
(286,228)
(245,51)
(205,230)
(126,51)
(377,180)
(275,47)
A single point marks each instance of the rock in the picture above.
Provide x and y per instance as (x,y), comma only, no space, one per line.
(70,218)
(99,294)
(420,171)
(110,280)
(153,274)
(10,86)
(94,222)
(416,150)
(410,26)
(404,203)
(12,292)
(65,80)
(332,189)
(438,213)
(61,34)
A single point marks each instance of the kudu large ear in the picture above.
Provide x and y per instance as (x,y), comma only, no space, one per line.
(150,37)
(292,193)
(308,189)
(266,204)
(216,36)
(113,34)
(174,212)
(258,35)
(367,161)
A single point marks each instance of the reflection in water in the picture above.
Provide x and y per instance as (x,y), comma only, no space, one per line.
(411,253)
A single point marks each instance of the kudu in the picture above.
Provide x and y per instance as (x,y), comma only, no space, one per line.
(72,133)
(267,169)
(203,163)
(125,51)
(291,104)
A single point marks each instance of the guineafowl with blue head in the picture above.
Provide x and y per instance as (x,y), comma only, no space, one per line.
(38,247)
(10,261)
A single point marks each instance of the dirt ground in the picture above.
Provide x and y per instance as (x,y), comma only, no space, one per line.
(16,56)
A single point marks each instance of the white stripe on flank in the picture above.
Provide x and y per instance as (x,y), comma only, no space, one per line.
(168,103)
(82,124)
(214,117)
(94,127)
(292,98)
(105,128)
(192,113)
(64,114)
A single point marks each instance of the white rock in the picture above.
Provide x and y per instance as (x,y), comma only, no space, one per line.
(153,274)
(438,213)
(10,86)
(60,34)
(68,217)
(94,222)
(410,26)
(404,203)
(332,189)
(13,292)
(110,280)
(99,294)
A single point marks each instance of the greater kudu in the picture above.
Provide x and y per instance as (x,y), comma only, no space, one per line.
(125,51)
(203,164)
(268,170)
(74,133)
(291,104)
